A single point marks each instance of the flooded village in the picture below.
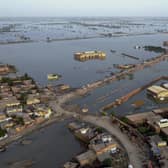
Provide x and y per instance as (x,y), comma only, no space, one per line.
(40,100)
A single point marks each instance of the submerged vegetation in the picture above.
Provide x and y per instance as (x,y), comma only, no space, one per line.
(155,49)
(146,130)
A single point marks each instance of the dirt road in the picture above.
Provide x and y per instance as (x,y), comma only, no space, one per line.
(132,151)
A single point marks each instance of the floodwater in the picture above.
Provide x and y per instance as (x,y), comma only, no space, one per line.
(55,145)
(39,59)
(109,93)
(40,29)
(50,147)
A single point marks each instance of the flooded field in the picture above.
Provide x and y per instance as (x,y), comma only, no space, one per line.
(107,94)
(40,59)
(51,29)
(51,49)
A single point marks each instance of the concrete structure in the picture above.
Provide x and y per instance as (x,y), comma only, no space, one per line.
(159,149)
(14,109)
(84,56)
(7,124)
(103,148)
(2,117)
(164,154)
(165,85)
(5,69)
(165,43)
(103,156)
(163,123)
(139,118)
(43,112)
(11,101)
(158,141)
(160,110)
(86,158)
(165,131)
(31,101)
(27,120)
(85,134)
(64,87)
(157,92)
(75,126)
(150,118)
(102,138)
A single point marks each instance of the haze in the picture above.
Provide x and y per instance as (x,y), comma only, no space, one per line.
(83,8)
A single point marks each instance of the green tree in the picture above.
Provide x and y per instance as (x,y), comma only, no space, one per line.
(99,130)
(18,120)
(131,76)
(25,77)
(23,98)
(2,132)
(113,113)
(7,80)
(104,113)
(107,162)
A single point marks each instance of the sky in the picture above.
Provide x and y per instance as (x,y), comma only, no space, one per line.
(58,8)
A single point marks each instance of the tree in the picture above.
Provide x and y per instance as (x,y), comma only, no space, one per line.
(113,113)
(104,113)
(131,76)
(23,98)
(25,77)
(7,80)
(107,162)
(2,132)
(18,120)
(99,130)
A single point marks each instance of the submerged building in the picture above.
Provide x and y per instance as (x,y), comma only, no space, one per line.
(89,55)
(158,92)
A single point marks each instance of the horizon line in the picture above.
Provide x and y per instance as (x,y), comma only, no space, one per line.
(83,16)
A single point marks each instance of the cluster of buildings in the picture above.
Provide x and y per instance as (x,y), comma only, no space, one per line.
(5,69)
(101,147)
(155,129)
(22,104)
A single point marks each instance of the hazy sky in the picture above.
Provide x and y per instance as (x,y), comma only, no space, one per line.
(83,8)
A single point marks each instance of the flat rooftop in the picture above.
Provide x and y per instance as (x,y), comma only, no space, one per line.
(86,156)
(156,89)
(151,117)
(161,110)
(165,130)
(138,118)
